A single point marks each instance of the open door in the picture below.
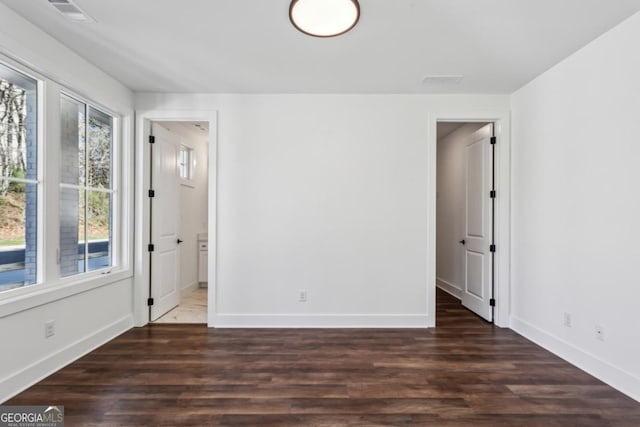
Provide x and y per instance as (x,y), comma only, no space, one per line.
(477,293)
(165,222)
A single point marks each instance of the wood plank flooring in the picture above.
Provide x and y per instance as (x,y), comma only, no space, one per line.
(464,372)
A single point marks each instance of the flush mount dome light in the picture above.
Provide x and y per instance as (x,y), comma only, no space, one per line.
(324,18)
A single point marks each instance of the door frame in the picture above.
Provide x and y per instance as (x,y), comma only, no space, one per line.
(142,204)
(502,266)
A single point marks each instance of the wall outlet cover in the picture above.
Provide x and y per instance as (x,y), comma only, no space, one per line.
(567,320)
(49,329)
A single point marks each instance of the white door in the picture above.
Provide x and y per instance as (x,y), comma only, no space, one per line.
(165,222)
(477,292)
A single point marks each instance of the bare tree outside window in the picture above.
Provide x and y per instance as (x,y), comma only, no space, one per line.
(13,116)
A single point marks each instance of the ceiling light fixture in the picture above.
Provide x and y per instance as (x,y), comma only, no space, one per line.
(324,18)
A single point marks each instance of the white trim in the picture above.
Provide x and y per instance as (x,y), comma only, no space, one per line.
(30,375)
(43,197)
(72,94)
(20,67)
(27,297)
(51,177)
(449,288)
(502,128)
(40,183)
(617,378)
(8,56)
(116,165)
(141,263)
(224,320)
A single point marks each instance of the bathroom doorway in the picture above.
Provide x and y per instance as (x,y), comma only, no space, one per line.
(179,222)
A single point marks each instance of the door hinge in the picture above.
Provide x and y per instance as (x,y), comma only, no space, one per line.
(151,247)
(150,302)
(152,193)
(492,248)
(492,302)
(493,140)
(492,194)
(152,139)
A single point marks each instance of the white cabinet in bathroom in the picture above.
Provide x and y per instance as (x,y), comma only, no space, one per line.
(203,254)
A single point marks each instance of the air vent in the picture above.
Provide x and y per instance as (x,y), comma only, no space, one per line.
(442,80)
(70,10)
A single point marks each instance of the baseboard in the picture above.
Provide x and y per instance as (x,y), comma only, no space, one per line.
(190,287)
(322,321)
(604,371)
(449,288)
(25,378)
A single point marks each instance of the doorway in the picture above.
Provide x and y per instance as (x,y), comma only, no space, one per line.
(178,225)
(465,214)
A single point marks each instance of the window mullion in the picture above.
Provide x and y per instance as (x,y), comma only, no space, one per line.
(51,177)
(86,195)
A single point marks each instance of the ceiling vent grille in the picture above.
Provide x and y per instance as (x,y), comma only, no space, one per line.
(70,10)
(442,80)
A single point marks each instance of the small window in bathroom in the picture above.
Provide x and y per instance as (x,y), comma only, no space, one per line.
(186,163)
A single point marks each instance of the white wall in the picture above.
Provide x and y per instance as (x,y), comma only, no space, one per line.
(86,316)
(193,202)
(327,193)
(576,206)
(451,189)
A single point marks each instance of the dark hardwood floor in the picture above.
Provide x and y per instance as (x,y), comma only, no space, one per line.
(464,372)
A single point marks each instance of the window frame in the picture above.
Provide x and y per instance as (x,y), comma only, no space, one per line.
(190,165)
(49,285)
(40,182)
(116,194)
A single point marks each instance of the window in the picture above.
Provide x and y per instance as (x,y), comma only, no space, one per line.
(86,188)
(19,180)
(61,212)
(187,163)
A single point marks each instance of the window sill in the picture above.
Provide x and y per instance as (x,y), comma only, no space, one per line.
(29,297)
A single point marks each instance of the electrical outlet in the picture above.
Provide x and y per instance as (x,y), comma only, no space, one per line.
(567,320)
(599,332)
(49,329)
(302,295)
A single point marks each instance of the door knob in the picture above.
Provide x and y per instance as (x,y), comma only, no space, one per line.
(462,241)
(179,241)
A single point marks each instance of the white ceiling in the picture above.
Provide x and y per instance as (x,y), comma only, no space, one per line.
(198,128)
(445,129)
(195,132)
(249,46)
